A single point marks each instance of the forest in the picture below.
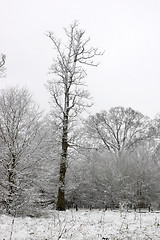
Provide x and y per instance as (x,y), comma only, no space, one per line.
(63,160)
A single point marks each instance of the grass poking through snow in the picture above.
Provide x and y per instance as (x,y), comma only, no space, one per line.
(83,225)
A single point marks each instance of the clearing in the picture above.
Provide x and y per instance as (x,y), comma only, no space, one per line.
(82,225)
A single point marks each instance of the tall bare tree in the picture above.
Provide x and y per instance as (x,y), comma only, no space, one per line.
(67,89)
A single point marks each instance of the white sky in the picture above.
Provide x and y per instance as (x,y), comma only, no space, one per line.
(128,31)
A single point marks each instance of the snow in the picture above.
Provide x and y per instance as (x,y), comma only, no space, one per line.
(82,225)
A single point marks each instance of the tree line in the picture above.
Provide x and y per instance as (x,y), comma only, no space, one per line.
(62,160)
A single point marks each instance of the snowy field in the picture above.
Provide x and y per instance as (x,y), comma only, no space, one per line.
(82,225)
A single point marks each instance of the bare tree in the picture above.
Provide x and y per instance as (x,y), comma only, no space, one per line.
(119,129)
(19,128)
(123,135)
(2,63)
(67,89)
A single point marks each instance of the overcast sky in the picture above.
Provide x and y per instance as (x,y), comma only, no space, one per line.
(128,31)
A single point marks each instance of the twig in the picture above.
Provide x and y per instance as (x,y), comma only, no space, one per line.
(12,225)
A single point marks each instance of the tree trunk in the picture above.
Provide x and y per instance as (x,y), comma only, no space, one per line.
(11,186)
(63,166)
(61,190)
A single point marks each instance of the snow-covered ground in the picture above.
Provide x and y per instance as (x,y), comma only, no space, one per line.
(82,225)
